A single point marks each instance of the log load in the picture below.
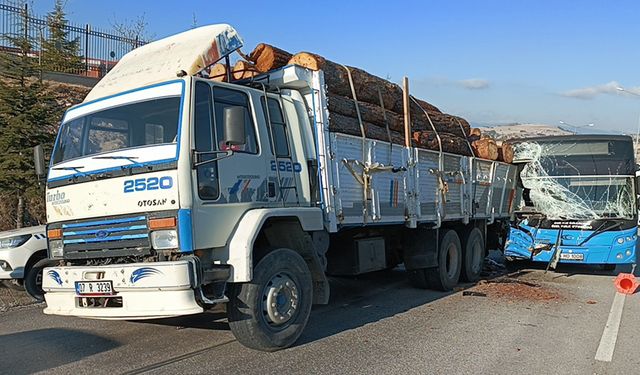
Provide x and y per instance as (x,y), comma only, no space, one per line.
(450,143)
(442,122)
(485,148)
(266,57)
(366,85)
(424,139)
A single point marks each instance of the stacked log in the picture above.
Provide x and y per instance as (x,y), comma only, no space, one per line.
(379,104)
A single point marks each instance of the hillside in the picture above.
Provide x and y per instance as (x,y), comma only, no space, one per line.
(504,132)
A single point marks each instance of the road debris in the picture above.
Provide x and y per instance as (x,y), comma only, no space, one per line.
(473,294)
(513,289)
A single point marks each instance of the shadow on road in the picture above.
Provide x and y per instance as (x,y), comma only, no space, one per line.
(369,298)
(569,269)
(43,349)
(212,320)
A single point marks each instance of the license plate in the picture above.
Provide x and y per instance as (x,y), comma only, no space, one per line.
(99,288)
(571,256)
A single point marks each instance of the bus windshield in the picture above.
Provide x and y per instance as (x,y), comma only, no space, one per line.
(579,179)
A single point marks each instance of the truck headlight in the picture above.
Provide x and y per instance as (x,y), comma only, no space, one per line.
(164,239)
(55,249)
(15,241)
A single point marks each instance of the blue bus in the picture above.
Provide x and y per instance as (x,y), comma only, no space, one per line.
(578,201)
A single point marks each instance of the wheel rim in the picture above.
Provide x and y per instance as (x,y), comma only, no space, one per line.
(280,300)
(452,261)
(476,261)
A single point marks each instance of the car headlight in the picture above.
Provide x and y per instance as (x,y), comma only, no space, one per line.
(15,241)
(55,249)
(164,239)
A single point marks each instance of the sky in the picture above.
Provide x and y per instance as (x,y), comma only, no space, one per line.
(491,62)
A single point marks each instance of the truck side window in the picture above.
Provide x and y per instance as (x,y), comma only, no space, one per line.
(279,143)
(227,98)
(208,187)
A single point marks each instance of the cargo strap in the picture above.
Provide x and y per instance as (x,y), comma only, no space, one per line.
(386,123)
(443,187)
(363,134)
(464,134)
(364,177)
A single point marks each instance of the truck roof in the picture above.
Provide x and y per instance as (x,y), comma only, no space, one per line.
(162,60)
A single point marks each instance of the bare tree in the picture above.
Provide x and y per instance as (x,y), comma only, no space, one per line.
(135,30)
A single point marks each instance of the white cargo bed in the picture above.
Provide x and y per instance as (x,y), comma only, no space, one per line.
(407,185)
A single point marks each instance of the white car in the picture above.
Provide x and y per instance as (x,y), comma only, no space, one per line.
(20,250)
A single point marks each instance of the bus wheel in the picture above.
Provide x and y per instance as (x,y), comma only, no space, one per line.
(472,255)
(445,276)
(270,312)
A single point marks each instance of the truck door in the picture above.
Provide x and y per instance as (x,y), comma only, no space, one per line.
(283,169)
(224,189)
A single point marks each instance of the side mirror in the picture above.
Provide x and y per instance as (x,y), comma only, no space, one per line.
(38,161)
(234,120)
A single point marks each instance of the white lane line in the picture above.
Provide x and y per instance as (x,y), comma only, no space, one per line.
(610,333)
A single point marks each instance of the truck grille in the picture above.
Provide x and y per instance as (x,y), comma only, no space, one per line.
(120,236)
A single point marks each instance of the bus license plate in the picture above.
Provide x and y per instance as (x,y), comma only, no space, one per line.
(571,256)
(102,288)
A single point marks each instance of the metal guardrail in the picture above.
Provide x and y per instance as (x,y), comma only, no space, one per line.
(99,50)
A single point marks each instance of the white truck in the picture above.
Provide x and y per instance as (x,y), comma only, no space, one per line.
(168,193)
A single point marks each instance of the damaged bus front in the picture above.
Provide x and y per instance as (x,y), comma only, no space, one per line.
(579,201)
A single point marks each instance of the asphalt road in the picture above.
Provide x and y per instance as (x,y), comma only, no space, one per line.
(374,324)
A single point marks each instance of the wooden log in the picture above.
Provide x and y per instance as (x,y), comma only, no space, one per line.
(505,152)
(450,143)
(485,148)
(373,113)
(366,85)
(266,57)
(243,70)
(423,139)
(218,72)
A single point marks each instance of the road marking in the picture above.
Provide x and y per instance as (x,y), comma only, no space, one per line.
(610,333)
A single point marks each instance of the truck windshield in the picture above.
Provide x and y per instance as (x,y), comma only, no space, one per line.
(149,122)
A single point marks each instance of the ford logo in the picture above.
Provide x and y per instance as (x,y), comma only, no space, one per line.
(102,234)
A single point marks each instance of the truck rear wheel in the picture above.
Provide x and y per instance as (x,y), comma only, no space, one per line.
(446,275)
(270,312)
(473,255)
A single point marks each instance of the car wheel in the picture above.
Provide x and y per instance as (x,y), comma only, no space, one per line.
(33,279)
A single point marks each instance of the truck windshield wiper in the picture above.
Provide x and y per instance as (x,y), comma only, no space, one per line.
(118,157)
(75,169)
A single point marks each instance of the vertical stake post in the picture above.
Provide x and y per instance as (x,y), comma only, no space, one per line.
(407,115)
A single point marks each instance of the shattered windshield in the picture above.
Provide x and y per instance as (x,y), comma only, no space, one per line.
(578,180)
(149,122)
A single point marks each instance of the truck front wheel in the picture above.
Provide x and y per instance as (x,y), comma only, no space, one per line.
(270,312)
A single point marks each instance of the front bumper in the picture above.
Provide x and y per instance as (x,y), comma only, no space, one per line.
(16,258)
(143,290)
